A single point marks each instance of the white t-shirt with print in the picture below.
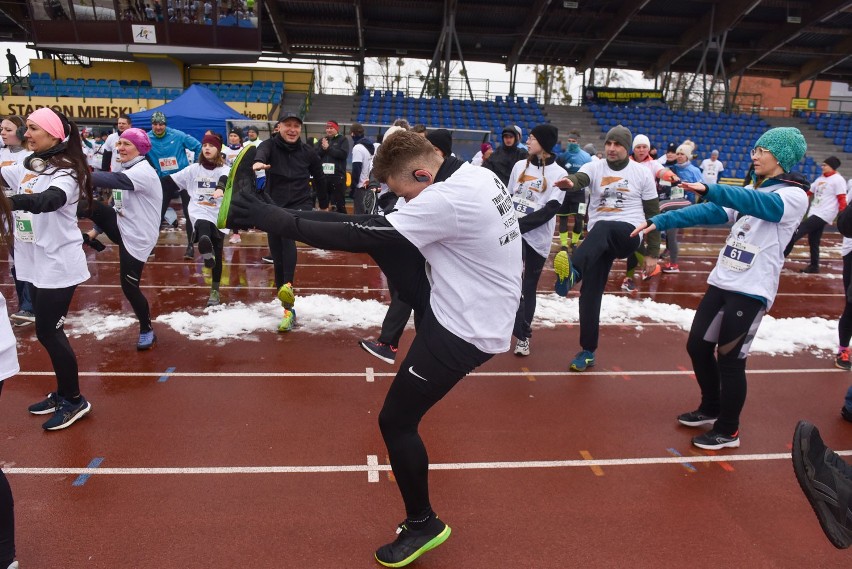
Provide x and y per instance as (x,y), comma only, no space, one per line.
(466,229)
(139,210)
(846,245)
(48,246)
(618,195)
(200,183)
(751,260)
(710,170)
(526,186)
(8,348)
(109,146)
(7,157)
(362,155)
(825,190)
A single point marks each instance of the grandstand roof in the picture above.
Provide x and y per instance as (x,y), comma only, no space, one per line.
(790,39)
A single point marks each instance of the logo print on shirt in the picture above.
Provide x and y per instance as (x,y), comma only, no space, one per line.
(613,190)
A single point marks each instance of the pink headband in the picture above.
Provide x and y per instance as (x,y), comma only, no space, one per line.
(49,121)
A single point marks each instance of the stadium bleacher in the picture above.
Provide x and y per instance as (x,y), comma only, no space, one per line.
(835,127)
(386,106)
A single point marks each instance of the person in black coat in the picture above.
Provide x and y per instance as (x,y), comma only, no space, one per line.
(504,157)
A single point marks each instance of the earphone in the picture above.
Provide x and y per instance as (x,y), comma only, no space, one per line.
(421,177)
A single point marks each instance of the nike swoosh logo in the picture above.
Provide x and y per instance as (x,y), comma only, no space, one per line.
(412,372)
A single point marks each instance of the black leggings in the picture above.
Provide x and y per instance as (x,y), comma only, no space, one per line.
(7,519)
(719,341)
(204,227)
(170,191)
(395,319)
(813,228)
(283,251)
(436,361)
(606,242)
(130,268)
(570,208)
(533,264)
(50,306)
(332,191)
(844,327)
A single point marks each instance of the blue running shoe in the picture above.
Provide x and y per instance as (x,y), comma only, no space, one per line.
(146,340)
(67,413)
(583,360)
(566,275)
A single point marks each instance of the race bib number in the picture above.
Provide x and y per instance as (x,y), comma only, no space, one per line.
(118,201)
(168,164)
(328,169)
(581,208)
(738,256)
(205,191)
(24,227)
(677,193)
(524,206)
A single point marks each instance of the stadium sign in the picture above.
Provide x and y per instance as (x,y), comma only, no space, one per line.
(622,96)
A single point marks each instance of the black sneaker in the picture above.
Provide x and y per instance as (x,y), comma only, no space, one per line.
(810,269)
(826,481)
(711,440)
(189,254)
(411,544)
(842,360)
(67,413)
(44,407)
(846,414)
(696,418)
(205,247)
(384,352)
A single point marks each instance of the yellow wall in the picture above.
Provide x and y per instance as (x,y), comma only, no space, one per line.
(295,80)
(98,70)
(93,109)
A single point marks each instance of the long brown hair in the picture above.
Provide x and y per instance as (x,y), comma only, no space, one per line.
(7,227)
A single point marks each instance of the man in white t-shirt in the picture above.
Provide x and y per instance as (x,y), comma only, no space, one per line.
(828,198)
(622,195)
(362,160)
(463,285)
(711,168)
(110,162)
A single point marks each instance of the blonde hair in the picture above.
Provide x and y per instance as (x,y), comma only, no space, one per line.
(543,160)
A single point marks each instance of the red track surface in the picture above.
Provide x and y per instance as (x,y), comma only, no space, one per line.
(241,404)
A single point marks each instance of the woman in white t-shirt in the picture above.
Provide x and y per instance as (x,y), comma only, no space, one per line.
(48,185)
(744,282)
(536,199)
(133,222)
(8,367)
(12,131)
(203,181)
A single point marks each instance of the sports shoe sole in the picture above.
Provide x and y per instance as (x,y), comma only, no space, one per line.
(837,535)
(428,546)
(76,417)
(847,367)
(584,368)
(699,423)
(286,296)
(376,354)
(44,412)
(148,347)
(240,178)
(562,268)
(718,446)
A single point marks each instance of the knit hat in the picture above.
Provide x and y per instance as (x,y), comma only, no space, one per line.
(672,147)
(786,143)
(685,149)
(641,139)
(484,147)
(252,128)
(442,139)
(621,135)
(212,139)
(832,162)
(138,138)
(158,118)
(590,149)
(546,135)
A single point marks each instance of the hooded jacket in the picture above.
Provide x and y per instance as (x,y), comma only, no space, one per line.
(291,168)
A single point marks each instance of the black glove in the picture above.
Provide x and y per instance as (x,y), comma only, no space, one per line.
(249,209)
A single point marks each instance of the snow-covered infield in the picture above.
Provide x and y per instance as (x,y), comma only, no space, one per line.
(321,313)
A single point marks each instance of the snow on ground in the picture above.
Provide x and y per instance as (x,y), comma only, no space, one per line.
(320,313)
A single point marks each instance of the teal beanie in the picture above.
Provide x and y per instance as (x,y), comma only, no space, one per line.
(785,143)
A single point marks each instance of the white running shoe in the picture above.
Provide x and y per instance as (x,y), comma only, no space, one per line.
(522,348)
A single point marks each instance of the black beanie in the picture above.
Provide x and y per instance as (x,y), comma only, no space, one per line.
(442,139)
(832,162)
(546,135)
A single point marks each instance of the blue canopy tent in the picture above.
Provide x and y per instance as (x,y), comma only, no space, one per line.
(195,111)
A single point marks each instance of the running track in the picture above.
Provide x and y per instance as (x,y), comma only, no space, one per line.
(265,452)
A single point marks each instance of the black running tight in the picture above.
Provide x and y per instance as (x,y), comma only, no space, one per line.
(170,191)
(130,268)
(844,328)
(204,227)
(436,361)
(7,520)
(533,264)
(50,306)
(722,331)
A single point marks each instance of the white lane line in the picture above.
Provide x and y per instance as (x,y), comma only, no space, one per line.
(373,473)
(371,377)
(359,374)
(373,467)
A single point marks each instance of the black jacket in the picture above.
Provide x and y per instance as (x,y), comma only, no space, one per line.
(292,165)
(503,159)
(337,153)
